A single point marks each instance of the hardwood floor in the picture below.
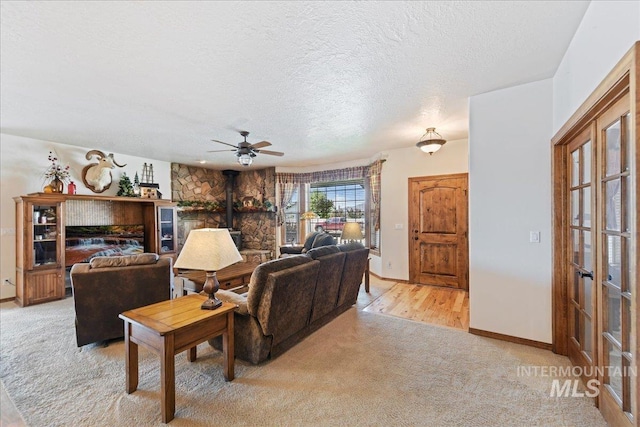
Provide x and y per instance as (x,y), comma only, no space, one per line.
(430,304)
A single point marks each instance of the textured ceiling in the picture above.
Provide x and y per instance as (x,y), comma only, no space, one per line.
(323,81)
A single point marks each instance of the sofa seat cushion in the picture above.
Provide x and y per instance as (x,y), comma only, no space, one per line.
(123,261)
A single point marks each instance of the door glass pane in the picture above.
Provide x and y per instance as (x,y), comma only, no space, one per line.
(613,313)
(612,205)
(576,324)
(627,140)
(575,246)
(612,250)
(575,168)
(586,163)
(586,242)
(626,184)
(588,304)
(586,208)
(614,362)
(626,321)
(612,135)
(587,346)
(575,289)
(575,207)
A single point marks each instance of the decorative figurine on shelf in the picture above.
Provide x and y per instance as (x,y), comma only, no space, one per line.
(97,176)
(57,175)
(71,188)
(149,189)
(136,185)
(126,189)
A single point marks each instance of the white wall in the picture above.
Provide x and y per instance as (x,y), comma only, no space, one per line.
(510,195)
(23,162)
(401,165)
(607,31)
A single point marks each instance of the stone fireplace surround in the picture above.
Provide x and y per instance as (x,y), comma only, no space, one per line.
(196,184)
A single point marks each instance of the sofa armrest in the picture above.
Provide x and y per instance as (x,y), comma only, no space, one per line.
(232,297)
(291,249)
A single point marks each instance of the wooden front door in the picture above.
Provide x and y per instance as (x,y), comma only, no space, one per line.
(438,232)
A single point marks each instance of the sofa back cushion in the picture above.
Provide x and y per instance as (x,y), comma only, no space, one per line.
(308,241)
(329,278)
(123,261)
(354,266)
(100,294)
(323,239)
(261,273)
(285,303)
(321,251)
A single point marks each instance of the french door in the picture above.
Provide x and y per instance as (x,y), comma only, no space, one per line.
(615,294)
(581,304)
(600,294)
(596,227)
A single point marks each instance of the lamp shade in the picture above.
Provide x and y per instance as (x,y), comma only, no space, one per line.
(309,215)
(208,249)
(351,231)
(431,141)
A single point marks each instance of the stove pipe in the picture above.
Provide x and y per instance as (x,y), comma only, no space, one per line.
(231,178)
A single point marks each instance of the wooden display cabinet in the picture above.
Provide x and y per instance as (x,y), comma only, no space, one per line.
(39,249)
(41,219)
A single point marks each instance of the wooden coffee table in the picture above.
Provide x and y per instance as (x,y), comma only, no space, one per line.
(168,328)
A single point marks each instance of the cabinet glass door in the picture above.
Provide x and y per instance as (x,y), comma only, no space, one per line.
(45,236)
(167,226)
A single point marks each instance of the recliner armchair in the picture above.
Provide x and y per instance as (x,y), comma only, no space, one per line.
(107,286)
(313,240)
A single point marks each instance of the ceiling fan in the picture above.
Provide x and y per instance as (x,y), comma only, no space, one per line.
(245,152)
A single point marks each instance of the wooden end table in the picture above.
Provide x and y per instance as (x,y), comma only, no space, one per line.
(236,277)
(168,328)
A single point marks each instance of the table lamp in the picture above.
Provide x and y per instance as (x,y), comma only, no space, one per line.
(351,231)
(209,249)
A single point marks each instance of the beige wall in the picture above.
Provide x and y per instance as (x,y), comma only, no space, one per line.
(400,165)
(22,165)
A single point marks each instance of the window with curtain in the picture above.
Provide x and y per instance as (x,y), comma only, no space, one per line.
(337,203)
(336,196)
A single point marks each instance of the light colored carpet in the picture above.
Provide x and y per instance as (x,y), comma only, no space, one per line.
(361,369)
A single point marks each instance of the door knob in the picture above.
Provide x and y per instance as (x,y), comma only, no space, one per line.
(583,275)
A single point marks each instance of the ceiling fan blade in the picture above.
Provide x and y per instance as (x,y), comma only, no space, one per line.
(219,151)
(261,144)
(271,153)
(225,143)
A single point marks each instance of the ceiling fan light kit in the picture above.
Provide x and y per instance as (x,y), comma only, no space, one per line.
(245,152)
(431,141)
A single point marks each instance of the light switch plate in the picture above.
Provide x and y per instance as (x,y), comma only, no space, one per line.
(534,237)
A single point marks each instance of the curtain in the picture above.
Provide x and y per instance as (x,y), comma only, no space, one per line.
(286,189)
(374,172)
(345,174)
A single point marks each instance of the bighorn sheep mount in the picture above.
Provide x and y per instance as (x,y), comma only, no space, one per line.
(97,176)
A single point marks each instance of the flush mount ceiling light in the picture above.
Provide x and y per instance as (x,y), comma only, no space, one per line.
(431,141)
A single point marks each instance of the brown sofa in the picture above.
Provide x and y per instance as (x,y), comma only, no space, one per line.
(311,241)
(291,297)
(107,286)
